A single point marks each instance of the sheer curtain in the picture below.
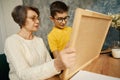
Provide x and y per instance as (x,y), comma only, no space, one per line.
(2,29)
(7,25)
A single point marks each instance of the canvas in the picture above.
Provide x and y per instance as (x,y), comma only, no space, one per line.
(89,31)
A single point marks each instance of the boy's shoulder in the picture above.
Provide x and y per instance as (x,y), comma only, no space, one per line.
(56,30)
(69,27)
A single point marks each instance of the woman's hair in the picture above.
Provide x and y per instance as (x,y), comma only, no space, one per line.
(58,7)
(19,14)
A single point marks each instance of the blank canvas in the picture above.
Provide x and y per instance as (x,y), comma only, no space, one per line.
(89,31)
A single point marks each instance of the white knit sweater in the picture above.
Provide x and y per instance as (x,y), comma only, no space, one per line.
(28,59)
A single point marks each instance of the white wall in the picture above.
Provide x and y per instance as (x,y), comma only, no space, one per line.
(7,25)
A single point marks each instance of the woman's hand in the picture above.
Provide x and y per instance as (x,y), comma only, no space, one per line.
(65,59)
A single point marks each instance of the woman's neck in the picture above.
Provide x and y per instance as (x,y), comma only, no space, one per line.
(25,34)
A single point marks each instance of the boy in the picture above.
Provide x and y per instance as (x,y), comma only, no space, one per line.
(60,34)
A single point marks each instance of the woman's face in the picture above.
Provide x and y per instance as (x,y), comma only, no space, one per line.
(32,21)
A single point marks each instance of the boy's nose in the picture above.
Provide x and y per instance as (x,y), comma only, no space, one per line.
(63,21)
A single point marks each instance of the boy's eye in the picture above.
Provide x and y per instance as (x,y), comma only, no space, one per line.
(61,18)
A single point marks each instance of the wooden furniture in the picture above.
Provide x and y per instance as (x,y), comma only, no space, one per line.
(88,35)
(105,64)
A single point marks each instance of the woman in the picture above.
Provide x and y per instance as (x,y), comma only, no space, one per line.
(26,53)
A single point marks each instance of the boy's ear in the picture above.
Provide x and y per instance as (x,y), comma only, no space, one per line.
(51,18)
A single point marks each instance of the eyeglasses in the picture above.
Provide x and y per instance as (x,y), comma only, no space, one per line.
(60,19)
(34,18)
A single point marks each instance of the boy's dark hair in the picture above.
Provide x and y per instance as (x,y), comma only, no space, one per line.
(19,14)
(58,7)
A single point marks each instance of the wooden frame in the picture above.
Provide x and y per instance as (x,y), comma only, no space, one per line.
(89,31)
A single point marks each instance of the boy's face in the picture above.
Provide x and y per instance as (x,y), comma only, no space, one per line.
(60,19)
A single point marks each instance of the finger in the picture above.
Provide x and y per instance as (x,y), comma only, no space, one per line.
(70,50)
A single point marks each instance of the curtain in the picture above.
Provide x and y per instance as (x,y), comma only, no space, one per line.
(2,30)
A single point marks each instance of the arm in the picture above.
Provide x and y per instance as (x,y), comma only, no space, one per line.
(55,53)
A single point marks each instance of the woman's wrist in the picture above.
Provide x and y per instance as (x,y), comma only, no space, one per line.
(58,65)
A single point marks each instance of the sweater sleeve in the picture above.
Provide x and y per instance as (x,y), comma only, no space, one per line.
(48,58)
(14,52)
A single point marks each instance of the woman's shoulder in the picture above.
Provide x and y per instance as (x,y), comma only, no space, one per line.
(12,37)
(37,38)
